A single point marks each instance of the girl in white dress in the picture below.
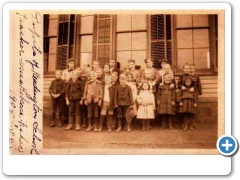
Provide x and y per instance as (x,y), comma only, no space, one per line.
(146,107)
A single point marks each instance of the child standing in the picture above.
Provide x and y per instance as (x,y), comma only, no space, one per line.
(115,82)
(146,107)
(122,100)
(56,91)
(188,103)
(166,101)
(107,104)
(74,93)
(93,97)
(134,89)
(197,87)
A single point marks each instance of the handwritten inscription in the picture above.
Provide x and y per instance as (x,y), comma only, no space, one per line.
(12,111)
(22,46)
(30,58)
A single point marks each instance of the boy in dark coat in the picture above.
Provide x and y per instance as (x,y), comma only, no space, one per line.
(122,100)
(56,91)
(73,96)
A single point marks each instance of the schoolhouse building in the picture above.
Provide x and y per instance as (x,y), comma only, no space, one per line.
(180,38)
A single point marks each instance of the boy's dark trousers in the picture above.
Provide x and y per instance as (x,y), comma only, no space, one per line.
(83,110)
(57,104)
(121,112)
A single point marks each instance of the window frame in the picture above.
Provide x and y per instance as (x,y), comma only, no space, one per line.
(212,48)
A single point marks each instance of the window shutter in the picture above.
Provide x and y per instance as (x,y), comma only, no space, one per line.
(101,38)
(161,38)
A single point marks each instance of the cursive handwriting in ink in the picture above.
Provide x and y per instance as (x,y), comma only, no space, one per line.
(21,15)
(35,77)
(23,43)
(36,131)
(37,16)
(34,34)
(13,101)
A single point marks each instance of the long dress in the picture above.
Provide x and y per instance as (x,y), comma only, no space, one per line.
(188,99)
(166,96)
(146,111)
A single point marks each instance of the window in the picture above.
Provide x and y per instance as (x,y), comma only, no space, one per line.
(50,40)
(66,34)
(161,38)
(86,40)
(131,35)
(193,41)
(102,38)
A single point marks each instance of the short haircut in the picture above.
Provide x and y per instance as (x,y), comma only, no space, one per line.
(123,75)
(115,71)
(131,60)
(71,60)
(58,70)
(106,65)
(192,65)
(186,64)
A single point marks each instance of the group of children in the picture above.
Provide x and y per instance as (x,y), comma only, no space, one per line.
(94,95)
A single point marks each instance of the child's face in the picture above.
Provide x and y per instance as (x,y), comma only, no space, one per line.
(99,73)
(95,65)
(131,65)
(187,82)
(167,80)
(186,69)
(112,63)
(75,76)
(71,65)
(149,63)
(129,78)
(122,79)
(127,70)
(145,86)
(106,69)
(114,77)
(162,64)
(192,69)
(58,75)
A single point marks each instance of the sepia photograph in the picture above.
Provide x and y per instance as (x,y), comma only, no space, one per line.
(130,81)
(114,84)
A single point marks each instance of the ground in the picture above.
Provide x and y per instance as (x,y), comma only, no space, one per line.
(202,139)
